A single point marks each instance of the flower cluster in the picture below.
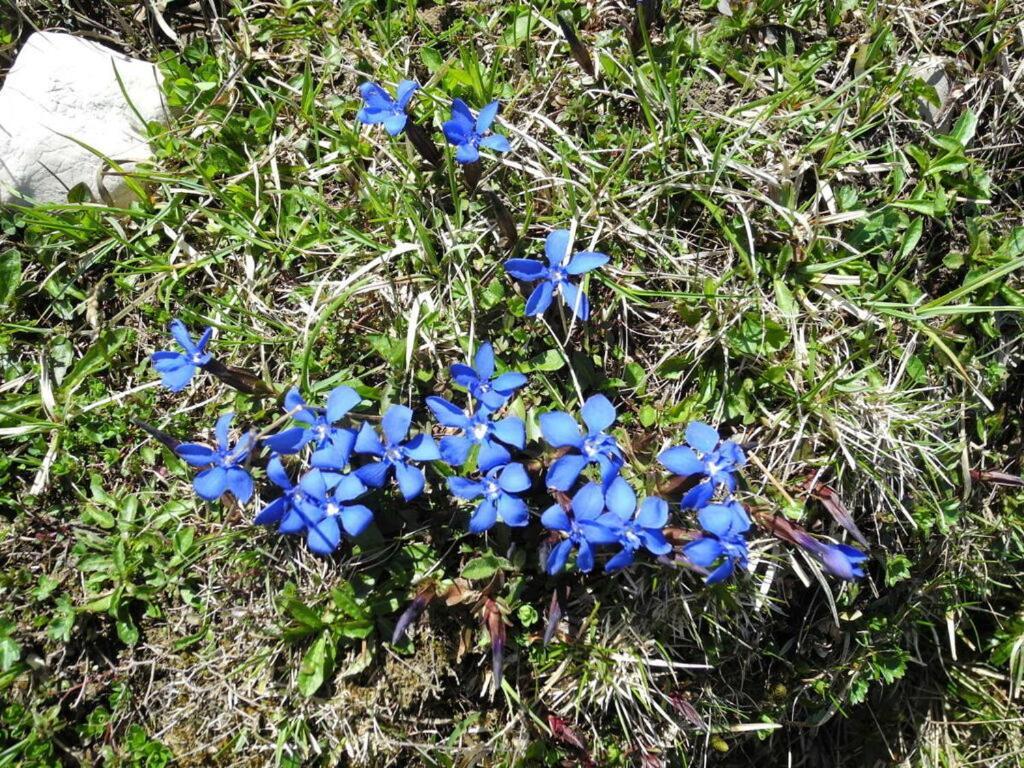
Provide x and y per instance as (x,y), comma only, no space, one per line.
(341,462)
(464,132)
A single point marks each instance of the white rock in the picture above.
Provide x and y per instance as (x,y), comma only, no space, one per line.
(63,90)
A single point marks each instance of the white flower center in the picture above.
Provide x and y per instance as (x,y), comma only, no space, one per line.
(394,453)
(491,488)
(332,509)
(480,431)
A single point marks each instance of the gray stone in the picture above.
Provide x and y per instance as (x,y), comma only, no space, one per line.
(932,70)
(67,104)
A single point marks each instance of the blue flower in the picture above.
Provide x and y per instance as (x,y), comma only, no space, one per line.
(584,529)
(477,429)
(333,444)
(707,455)
(381,108)
(395,452)
(500,504)
(176,369)
(468,137)
(319,510)
(843,561)
(597,447)
(477,379)
(223,464)
(555,277)
(725,525)
(644,531)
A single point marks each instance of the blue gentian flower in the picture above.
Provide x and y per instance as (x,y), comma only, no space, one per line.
(725,525)
(585,529)
(704,454)
(395,452)
(477,379)
(500,504)
(480,429)
(224,470)
(644,531)
(333,444)
(555,277)
(843,561)
(560,430)
(381,108)
(468,136)
(318,510)
(285,504)
(176,369)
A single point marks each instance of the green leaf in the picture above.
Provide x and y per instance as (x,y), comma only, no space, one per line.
(965,127)
(316,666)
(344,597)
(305,615)
(484,567)
(10,652)
(550,360)
(10,275)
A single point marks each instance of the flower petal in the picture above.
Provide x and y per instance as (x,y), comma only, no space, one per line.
(560,430)
(527,270)
(395,423)
(513,511)
(463,375)
(422,448)
(483,361)
(486,117)
(290,441)
(340,402)
(368,442)
(558,557)
(496,143)
(510,430)
(404,92)
(348,487)
(485,516)
(655,542)
(240,484)
(277,475)
(467,153)
(355,519)
(375,96)
(620,499)
(698,496)
(721,573)
(374,474)
(196,454)
(177,379)
(681,460)
(449,414)
(507,383)
(575,300)
(457,131)
(514,479)
(180,334)
(211,483)
(584,261)
(701,436)
(314,485)
(555,519)
(395,124)
(492,454)
(295,405)
(703,552)
(598,414)
(221,430)
(623,559)
(585,557)
(563,472)
(273,512)
(556,246)
(324,535)
(717,519)
(454,449)
(465,488)
(293,522)
(588,502)
(165,361)
(410,480)
(653,513)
